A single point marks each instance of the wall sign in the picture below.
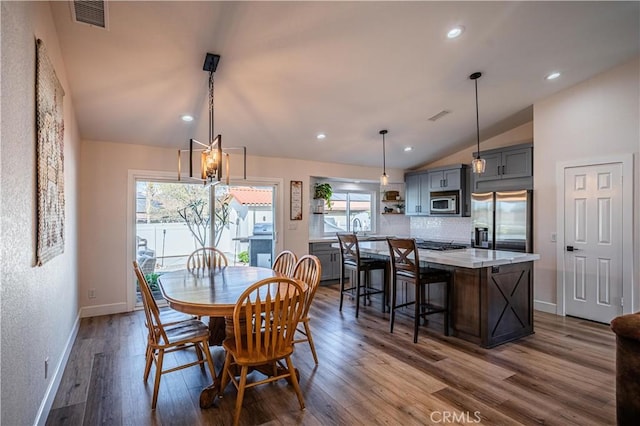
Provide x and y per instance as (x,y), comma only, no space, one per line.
(296,200)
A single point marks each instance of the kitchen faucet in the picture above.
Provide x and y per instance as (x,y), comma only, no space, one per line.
(356,225)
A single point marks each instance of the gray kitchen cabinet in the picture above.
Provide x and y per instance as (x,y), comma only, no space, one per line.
(506,169)
(416,194)
(329,259)
(445,180)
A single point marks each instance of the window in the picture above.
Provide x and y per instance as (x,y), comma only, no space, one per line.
(350,212)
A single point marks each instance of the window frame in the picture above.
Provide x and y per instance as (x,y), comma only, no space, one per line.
(372,210)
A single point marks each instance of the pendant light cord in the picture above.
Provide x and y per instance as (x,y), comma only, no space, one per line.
(477,118)
(211,109)
(384,161)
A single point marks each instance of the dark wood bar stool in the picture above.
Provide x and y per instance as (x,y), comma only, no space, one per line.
(405,266)
(351,260)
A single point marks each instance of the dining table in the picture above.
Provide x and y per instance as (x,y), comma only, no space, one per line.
(213,293)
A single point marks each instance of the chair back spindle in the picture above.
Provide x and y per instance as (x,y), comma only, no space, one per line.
(285,263)
(206,258)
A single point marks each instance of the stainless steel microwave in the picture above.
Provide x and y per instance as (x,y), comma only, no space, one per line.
(444,203)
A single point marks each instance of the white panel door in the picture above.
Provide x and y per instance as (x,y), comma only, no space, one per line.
(593,241)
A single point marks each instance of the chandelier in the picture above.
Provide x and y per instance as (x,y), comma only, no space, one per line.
(211,153)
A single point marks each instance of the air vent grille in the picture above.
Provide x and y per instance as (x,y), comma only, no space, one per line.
(90,12)
(439,115)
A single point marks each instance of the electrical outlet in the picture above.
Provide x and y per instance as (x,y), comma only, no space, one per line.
(46,368)
(92,293)
(554,237)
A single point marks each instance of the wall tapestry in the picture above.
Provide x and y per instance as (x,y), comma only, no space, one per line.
(50,159)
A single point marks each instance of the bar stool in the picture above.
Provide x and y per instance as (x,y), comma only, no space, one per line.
(350,259)
(405,266)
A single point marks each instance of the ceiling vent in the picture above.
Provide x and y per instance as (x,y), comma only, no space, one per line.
(439,115)
(92,13)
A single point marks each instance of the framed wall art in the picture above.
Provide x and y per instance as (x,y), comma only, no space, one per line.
(296,200)
(49,159)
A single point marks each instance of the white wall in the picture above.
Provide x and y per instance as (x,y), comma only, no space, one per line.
(39,304)
(596,118)
(103,241)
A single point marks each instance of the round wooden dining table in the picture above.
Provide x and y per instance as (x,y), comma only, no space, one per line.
(212,293)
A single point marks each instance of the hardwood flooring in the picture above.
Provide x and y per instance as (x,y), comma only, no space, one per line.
(564,374)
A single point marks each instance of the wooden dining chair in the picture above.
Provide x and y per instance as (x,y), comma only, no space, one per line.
(163,339)
(168,316)
(285,262)
(206,258)
(309,270)
(405,267)
(252,344)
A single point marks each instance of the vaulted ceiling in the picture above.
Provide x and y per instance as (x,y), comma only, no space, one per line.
(290,70)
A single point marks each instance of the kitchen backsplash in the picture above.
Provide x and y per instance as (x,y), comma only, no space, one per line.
(457,229)
(393,224)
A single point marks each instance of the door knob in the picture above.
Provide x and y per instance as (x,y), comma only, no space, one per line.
(571,248)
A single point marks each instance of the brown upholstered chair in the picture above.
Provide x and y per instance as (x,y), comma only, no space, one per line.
(280,299)
(627,329)
(405,266)
(309,270)
(285,262)
(163,339)
(351,260)
(206,258)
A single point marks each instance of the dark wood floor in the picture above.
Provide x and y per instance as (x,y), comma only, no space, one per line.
(562,375)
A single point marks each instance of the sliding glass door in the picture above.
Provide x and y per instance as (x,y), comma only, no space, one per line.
(172,219)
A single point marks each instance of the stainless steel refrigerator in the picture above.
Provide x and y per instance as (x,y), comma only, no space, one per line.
(502,220)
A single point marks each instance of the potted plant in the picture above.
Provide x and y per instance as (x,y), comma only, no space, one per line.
(399,207)
(323,191)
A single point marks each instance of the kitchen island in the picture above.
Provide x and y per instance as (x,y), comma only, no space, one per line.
(492,291)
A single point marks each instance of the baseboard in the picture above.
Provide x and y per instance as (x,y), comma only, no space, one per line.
(98,310)
(52,389)
(547,307)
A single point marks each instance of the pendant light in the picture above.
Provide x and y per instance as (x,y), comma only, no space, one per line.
(211,153)
(384,179)
(478,164)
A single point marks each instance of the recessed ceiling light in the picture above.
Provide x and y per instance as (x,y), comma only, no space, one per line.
(187,117)
(321,136)
(408,148)
(553,75)
(455,32)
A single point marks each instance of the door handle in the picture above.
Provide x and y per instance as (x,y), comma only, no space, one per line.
(502,169)
(572,248)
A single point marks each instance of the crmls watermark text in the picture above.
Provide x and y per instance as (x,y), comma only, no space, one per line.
(455,417)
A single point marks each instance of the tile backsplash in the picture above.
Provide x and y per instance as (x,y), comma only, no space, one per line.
(457,229)
(393,224)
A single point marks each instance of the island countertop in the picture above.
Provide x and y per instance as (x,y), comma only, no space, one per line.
(465,258)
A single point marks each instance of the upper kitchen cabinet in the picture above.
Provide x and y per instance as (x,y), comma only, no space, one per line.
(416,193)
(509,168)
(449,179)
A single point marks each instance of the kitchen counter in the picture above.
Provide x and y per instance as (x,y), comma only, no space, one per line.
(334,239)
(491,299)
(466,258)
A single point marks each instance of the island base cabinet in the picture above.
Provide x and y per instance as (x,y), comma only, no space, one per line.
(493,305)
